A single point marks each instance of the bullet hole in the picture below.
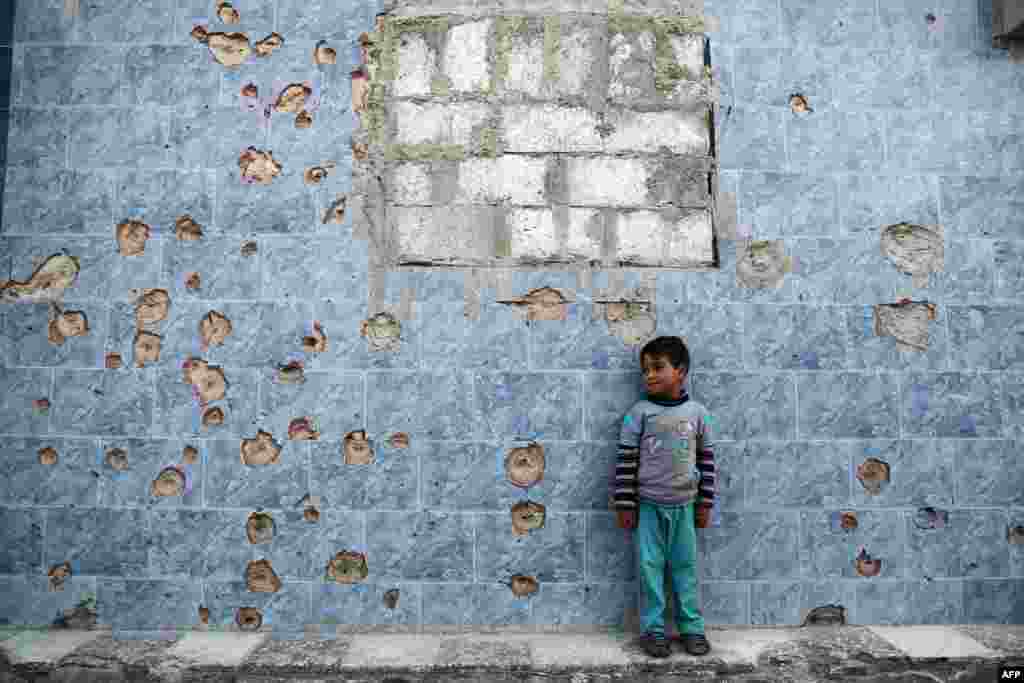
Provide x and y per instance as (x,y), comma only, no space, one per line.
(930,518)
(323,54)
(391,598)
(866,566)
(47,283)
(929,18)
(58,574)
(248,619)
(303,429)
(399,440)
(826,615)
(303,120)
(292,373)
(227,13)
(190,455)
(847,521)
(41,406)
(192,281)
(266,47)
(207,381)
(357,449)
(761,264)
(146,348)
(186,229)
(872,474)
(526,517)
(228,49)
(258,166)
(293,98)
(48,456)
(382,331)
(335,213)
(915,250)
(348,566)
(117,458)
(112,361)
(314,174)
(170,482)
(360,91)
(316,342)
(260,577)
(151,307)
(262,450)
(249,248)
(214,417)
(214,328)
(204,615)
(250,90)
(131,237)
(524,466)
(1015,535)
(631,321)
(798,103)
(360,151)
(906,322)
(259,528)
(311,514)
(544,303)
(523,586)
(65,324)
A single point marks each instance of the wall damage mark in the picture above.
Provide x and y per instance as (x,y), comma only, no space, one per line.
(48,456)
(399,440)
(322,54)
(228,49)
(360,91)
(260,528)
(391,598)
(844,521)
(208,382)
(189,455)
(41,406)
(825,615)
(310,512)
(192,281)
(357,449)
(204,615)
(187,230)
(214,328)
(335,213)
(348,566)
(146,348)
(249,248)
(58,574)
(227,14)
(304,429)
(170,482)
(915,250)
(213,417)
(798,103)
(314,174)
(524,466)
(761,264)
(64,324)
(151,306)
(258,166)
(523,586)
(112,361)
(292,99)
(526,517)
(866,565)
(316,342)
(1015,535)
(248,619)
(292,373)
(544,303)
(260,577)
(930,518)
(117,459)
(872,474)
(383,332)
(47,283)
(250,90)
(266,47)
(262,450)
(907,322)
(131,237)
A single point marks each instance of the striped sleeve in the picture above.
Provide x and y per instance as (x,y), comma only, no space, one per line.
(625,484)
(706,466)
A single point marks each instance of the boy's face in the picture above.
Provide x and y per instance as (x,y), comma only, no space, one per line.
(660,378)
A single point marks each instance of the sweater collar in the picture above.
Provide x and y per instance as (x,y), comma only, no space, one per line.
(683,398)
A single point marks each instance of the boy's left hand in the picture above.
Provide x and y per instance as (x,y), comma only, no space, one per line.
(702,517)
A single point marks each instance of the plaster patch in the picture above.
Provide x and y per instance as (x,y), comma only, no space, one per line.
(258,166)
(228,14)
(524,465)
(131,237)
(266,47)
(214,328)
(146,348)
(335,213)
(187,230)
(315,342)
(151,306)
(347,566)
(322,54)
(260,577)
(916,250)
(262,450)
(48,456)
(47,283)
(260,528)
(357,448)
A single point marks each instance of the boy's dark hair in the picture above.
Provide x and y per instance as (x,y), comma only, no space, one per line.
(672,348)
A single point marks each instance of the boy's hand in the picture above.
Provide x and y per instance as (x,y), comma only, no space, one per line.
(627,519)
(701,516)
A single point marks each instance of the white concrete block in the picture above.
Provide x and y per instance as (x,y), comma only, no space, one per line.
(216,648)
(688,51)
(586,234)
(533,234)
(465,56)
(575,60)
(410,183)
(927,641)
(438,123)
(690,238)
(549,128)
(417,66)
(641,236)
(511,178)
(443,234)
(606,181)
(683,132)
(645,237)
(45,647)
(631,64)
(525,65)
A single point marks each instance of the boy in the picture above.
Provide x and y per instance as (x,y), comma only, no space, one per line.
(664,485)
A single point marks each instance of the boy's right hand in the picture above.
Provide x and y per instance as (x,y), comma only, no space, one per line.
(627,519)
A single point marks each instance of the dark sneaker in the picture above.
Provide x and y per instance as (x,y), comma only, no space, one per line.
(696,644)
(655,645)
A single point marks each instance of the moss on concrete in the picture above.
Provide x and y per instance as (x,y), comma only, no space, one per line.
(505,27)
(375,114)
(385,47)
(489,142)
(424,152)
(552,46)
(440,86)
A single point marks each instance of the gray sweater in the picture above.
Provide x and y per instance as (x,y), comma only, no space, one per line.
(665,455)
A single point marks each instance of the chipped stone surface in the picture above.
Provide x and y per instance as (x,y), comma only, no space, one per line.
(324,54)
(214,328)
(293,98)
(47,456)
(357,449)
(314,174)
(170,482)
(66,324)
(151,306)
(261,578)
(382,331)
(303,119)
(524,465)
(227,14)
(131,237)
(266,47)
(187,230)
(335,213)
(146,348)
(261,450)
(213,417)
(916,250)
(258,166)
(208,381)
(228,49)
(46,284)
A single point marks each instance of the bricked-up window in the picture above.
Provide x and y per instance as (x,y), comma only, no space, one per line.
(536,139)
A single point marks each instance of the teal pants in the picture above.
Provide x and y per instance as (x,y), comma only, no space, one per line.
(666,538)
